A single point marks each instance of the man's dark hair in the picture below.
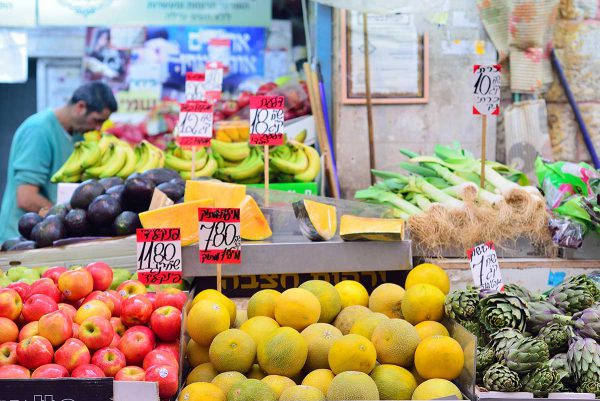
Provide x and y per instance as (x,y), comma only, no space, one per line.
(97,97)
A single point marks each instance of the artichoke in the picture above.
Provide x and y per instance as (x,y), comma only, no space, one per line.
(556,336)
(462,305)
(572,297)
(584,360)
(499,377)
(542,381)
(521,292)
(475,328)
(526,354)
(590,386)
(541,313)
(500,311)
(587,323)
(586,281)
(485,358)
(501,340)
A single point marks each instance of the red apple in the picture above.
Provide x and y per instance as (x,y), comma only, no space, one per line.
(92,308)
(167,378)
(171,297)
(8,353)
(45,286)
(37,306)
(131,374)
(69,310)
(117,325)
(152,298)
(173,348)
(165,322)
(129,288)
(135,346)
(103,297)
(14,372)
(8,330)
(29,330)
(136,310)
(158,357)
(96,332)
(54,273)
(110,360)
(115,341)
(72,354)
(57,327)
(102,275)
(87,371)
(75,328)
(75,284)
(34,352)
(21,288)
(10,303)
(145,331)
(117,301)
(50,371)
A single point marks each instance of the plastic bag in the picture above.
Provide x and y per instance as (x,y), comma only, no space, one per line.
(566,233)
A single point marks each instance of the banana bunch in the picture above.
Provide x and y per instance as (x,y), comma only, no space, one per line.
(232,131)
(250,170)
(180,159)
(147,157)
(295,161)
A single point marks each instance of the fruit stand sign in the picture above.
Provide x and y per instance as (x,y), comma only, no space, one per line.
(195,124)
(213,81)
(266,120)
(194,86)
(159,255)
(58,389)
(484,267)
(219,236)
(486,89)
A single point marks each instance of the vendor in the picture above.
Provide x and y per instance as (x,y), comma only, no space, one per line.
(41,145)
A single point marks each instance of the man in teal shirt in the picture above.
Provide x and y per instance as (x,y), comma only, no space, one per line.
(40,147)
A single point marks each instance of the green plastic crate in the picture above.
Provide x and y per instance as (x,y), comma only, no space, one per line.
(303,188)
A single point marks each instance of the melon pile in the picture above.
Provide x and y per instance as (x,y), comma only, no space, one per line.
(325,342)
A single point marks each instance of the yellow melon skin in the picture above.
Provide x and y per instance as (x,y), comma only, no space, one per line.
(201,391)
(365,325)
(439,357)
(226,380)
(319,339)
(259,327)
(396,341)
(429,328)
(232,350)
(348,316)
(196,353)
(304,393)
(352,386)
(283,352)
(297,308)
(387,299)
(428,273)
(204,372)
(423,302)
(436,388)
(328,296)
(394,382)
(262,303)
(214,295)
(278,383)
(352,293)
(205,320)
(251,390)
(256,372)
(319,378)
(352,353)
(224,194)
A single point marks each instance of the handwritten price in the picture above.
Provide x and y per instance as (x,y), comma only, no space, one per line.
(486,89)
(159,255)
(195,124)
(266,120)
(484,267)
(219,233)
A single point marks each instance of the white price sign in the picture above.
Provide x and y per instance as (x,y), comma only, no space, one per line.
(194,86)
(195,124)
(159,255)
(213,81)
(266,120)
(486,89)
(484,267)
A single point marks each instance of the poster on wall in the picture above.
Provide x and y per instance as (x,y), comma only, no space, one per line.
(145,65)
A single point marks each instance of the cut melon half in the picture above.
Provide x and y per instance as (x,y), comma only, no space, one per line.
(182,215)
(223,193)
(318,221)
(253,224)
(356,228)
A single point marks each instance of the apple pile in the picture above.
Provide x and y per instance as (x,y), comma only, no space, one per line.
(69,323)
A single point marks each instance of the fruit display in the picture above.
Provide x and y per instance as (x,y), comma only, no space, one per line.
(535,343)
(319,341)
(89,322)
(446,208)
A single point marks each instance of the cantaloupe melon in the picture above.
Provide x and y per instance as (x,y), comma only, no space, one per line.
(278,383)
(304,393)
(283,352)
(182,215)
(320,378)
(232,350)
(226,380)
(224,194)
(253,225)
(352,386)
(319,338)
(251,390)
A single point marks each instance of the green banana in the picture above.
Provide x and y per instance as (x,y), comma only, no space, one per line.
(295,165)
(130,160)
(252,180)
(143,156)
(252,166)
(209,169)
(314,165)
(179,164)
(187,154)
(234,151)
(218,158)
(283,152)
(301,137)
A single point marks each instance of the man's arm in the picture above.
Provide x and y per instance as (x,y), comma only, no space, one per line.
(29,198)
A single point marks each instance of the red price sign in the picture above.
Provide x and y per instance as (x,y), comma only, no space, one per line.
(266,120)
(484,267)
(159,255)
(194,86)
(219,236)
(486,89)
(195,124)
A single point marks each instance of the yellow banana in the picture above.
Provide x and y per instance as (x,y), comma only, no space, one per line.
(296,164)
(207,171)
(93,154)
(235,151)
(187,154)
(250,167)
(105,141)
(223,137)
(314,165)
(130,160)
(116,163)
(143,155)
(73,164)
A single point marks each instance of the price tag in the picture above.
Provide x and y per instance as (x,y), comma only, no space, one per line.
(219,236)
(484,267)
(159,255)
(90,389)
(194,86)
(213,81)
(195,124)
(266,120)
(219,49)
(486,89)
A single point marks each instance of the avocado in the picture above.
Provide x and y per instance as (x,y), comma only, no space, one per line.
(180,200)
(59,210)
(27,222)
(116,191)
(104,231)
(178,180)
(76,223)
(134,175)
(48,230)
(110,182)
(137,194)
(126,223)
(9,243)
(103,210)
(160,175)
(85,193)
(173,191)
(23,245)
